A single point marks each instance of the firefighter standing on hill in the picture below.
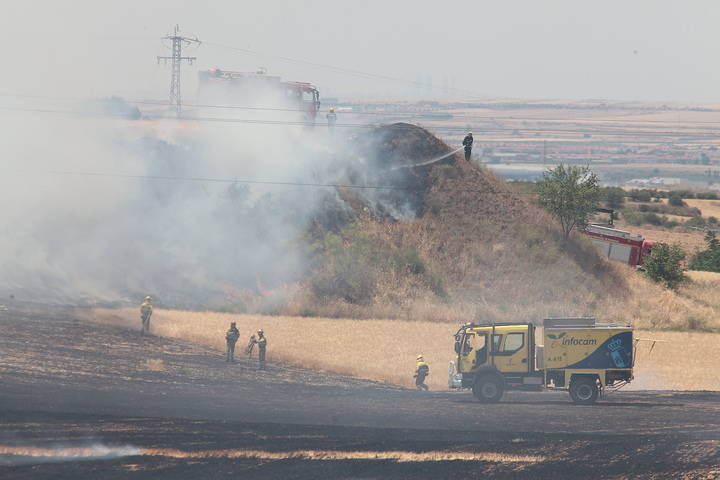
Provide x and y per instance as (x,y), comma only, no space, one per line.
(231,338)
(467,143)
(331,119)
(146,310)
(422,370)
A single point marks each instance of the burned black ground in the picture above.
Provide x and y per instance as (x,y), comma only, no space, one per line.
(67,383)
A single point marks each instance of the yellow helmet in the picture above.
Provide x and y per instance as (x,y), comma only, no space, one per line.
(148,298)
(419,357)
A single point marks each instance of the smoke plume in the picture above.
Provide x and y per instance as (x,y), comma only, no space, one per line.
(105,209)
(78,228)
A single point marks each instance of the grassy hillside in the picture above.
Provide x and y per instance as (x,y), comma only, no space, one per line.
(465,245)
(695,306)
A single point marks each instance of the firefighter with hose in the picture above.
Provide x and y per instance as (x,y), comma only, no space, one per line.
(261,342)
(422,370)
(467,143)
(146,310)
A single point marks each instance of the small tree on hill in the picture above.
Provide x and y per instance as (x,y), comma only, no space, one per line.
(570,194)
(663,264)
(709,259)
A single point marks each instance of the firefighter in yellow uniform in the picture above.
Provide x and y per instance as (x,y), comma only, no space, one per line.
(146,310)
(422,370)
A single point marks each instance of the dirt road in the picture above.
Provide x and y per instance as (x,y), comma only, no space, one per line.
(161,408)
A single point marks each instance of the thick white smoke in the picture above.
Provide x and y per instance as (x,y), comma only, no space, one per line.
(104,209)
(71,238)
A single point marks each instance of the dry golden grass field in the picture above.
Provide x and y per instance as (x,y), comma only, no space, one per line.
(385,350)
(709,208)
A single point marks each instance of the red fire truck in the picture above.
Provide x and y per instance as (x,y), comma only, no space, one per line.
(260,91)
(619,245)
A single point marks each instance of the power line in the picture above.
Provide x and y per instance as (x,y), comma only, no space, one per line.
(250,182)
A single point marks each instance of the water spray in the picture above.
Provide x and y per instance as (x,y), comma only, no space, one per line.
(428,162)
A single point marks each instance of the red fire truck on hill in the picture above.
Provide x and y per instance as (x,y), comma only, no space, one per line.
(619,245)
(260,91)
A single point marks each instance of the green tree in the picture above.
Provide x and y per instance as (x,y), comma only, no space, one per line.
(675,199)
(709,259)
(641,195)
(570,194)
(614,197)
(663,264)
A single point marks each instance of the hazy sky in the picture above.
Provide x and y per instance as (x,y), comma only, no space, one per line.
(631,50)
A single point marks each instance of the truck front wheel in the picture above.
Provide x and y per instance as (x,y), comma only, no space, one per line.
(584,390)
(488,389)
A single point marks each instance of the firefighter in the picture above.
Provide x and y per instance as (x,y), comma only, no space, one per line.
(262,346)
(231,338)
(146,310)
(250,346)
(331,120)
(422,370)
(467,143)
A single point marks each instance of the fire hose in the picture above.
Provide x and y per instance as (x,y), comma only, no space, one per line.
(428,162)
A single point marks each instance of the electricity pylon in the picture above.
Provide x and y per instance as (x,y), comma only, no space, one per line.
(175,60)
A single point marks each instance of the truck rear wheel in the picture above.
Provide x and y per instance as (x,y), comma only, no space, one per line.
(488,389)
(584,390)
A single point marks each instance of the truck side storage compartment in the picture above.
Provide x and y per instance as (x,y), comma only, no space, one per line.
(586,356)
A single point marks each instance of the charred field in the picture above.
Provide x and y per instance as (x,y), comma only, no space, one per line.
(82,400)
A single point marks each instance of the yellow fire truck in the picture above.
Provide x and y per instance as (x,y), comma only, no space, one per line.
(579,355)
